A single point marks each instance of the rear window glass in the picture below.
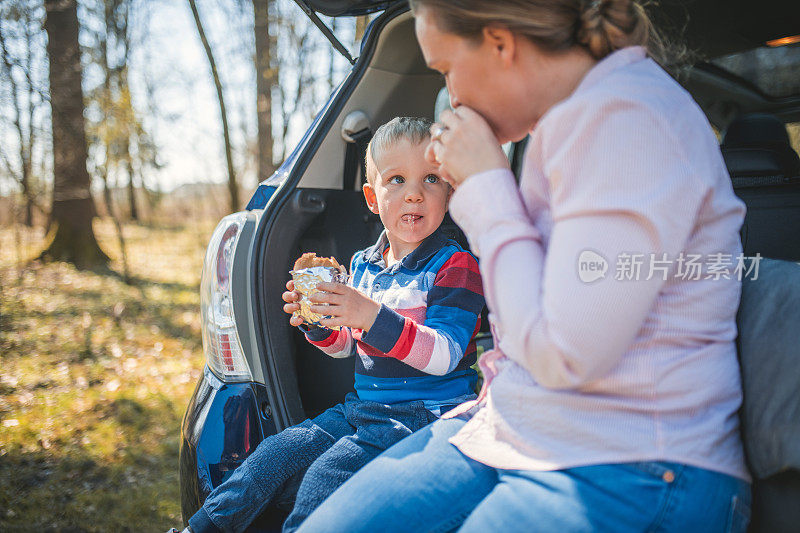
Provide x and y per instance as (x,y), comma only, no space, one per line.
(774,71)
(794,135)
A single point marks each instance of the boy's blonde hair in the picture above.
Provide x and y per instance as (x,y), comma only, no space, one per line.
(413,129)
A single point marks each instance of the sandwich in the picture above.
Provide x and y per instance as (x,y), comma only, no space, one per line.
(308,271)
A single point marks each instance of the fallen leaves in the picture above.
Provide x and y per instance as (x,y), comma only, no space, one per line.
(94,380)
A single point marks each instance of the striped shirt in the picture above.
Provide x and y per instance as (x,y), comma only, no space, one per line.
(421,346)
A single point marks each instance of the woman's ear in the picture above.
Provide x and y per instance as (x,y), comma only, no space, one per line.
(369,196)
(502,42)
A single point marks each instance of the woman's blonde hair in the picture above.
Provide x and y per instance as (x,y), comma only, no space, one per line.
(601,26)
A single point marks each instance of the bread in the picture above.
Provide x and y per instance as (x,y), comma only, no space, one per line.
(310,260)
(305,282)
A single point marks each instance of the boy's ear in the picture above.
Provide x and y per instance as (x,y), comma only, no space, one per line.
(369,196)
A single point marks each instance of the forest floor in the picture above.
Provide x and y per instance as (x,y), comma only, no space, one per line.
(95,376)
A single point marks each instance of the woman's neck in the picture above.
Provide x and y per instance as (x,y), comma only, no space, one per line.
(563,71)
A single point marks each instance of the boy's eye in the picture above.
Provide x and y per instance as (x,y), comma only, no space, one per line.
(432,178)
(397,179)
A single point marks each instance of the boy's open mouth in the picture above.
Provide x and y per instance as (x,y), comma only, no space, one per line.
(411,218)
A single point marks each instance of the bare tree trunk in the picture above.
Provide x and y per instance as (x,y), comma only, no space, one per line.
(71,237)
(233,188)
(265,79)
(134,212)
(24,148)
(117,25)
(29,196)
(361,27)
(332,59)
(106,168)
(117,224)
(111,27)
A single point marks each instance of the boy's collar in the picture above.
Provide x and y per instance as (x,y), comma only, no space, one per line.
(427,248)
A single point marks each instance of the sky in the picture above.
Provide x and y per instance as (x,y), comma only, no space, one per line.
(183,114)
(188,130)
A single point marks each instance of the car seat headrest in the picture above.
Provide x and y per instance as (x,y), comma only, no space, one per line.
(758,137)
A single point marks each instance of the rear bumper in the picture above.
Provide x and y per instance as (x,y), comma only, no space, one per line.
(223,424)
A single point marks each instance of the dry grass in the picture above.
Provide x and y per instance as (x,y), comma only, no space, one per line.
(94,380)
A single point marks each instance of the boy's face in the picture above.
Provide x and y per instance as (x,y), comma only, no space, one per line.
(408,194)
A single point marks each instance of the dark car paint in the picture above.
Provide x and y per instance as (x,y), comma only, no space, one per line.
(223,424)
(339,8)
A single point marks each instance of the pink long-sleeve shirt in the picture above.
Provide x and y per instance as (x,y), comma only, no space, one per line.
(598,366)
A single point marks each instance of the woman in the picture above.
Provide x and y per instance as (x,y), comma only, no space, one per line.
(610,273)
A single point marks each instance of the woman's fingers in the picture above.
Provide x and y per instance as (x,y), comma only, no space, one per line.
(448,178)
(449,118)
(295,320)
(291,308)
(463,144)
(290,285)
(430,156)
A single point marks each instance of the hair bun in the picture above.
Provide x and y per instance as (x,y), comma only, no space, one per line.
(607,25)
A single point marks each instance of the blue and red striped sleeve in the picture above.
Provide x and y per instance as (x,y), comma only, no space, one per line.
(452,318)
(334,343)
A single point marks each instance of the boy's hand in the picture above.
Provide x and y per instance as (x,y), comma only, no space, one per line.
(346,306)
(290,297)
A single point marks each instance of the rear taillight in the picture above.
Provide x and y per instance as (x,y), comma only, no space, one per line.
(220,336)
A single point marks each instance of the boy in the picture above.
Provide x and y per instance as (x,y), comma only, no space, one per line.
(409,315)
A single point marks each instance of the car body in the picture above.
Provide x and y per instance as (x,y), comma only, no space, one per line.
(261,376)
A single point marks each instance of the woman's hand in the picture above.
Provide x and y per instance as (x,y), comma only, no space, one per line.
(346,306)
(463,144)
(291,296)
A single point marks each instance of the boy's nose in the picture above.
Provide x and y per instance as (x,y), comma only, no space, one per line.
(413,196)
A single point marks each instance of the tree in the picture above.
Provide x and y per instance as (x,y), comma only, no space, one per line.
(25,96)
(116,24)
(265,80)
(71,237)
(120,150)
(233,187)
(297,78)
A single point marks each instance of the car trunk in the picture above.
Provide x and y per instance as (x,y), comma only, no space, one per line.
(319,208)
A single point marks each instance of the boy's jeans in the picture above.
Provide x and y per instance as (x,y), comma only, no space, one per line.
(323,453)
(424,484)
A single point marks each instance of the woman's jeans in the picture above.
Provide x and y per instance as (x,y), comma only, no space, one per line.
(424,484)
(307,462)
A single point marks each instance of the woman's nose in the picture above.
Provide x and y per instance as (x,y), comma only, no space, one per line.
(454,101)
